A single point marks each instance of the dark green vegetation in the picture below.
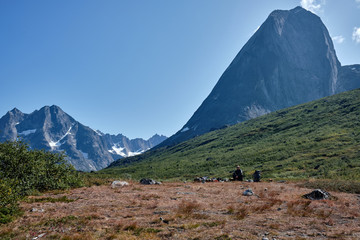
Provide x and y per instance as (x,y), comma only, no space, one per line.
(24,171)
(320,139)
(50,199)
(333,185)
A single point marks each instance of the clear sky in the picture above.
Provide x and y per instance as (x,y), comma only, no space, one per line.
(137,67)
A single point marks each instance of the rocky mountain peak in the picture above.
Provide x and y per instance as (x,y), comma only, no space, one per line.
(15,111)
(52,129)
(289,60)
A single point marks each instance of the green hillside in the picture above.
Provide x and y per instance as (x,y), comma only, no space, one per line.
(319,139)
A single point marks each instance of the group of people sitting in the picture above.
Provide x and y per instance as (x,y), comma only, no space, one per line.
(238,175)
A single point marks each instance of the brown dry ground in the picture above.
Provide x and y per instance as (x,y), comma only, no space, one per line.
(193,211)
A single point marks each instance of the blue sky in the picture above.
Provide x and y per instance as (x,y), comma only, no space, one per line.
(137,67)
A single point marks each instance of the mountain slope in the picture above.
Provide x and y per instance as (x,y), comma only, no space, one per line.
(320,139)
(290,60)
(50,128)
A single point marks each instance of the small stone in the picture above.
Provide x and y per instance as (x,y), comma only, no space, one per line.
(116,184)
(40,236)
(37,210)
(248,192)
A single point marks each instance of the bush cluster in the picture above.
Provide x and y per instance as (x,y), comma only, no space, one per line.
(24,171)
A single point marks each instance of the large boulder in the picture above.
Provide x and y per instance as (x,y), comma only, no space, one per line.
(148,181)
(317,194)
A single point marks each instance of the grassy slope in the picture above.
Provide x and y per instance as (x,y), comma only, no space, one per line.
(317,139)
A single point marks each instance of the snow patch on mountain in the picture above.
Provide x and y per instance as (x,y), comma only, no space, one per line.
(27,132)
(53,144)
(130,154)
(56,144)
(117,150)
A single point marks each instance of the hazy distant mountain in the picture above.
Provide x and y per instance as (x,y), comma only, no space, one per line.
(50,128)
(288,61)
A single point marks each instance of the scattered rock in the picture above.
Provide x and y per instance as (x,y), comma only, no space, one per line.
(148,181)
(164,220)
(116,184)
(207,179)
(248,192)
(40,236)
(37,210)
(317,194)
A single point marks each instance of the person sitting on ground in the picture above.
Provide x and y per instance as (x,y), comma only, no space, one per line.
(238,174)
(256,176)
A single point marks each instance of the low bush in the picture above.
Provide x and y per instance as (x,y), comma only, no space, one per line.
(187,207)
(24,171)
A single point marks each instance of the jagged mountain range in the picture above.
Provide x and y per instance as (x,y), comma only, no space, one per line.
(50,128)
(289,60)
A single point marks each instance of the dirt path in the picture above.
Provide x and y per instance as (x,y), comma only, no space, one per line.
(189,211)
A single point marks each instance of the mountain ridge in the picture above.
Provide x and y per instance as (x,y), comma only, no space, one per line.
(52,129)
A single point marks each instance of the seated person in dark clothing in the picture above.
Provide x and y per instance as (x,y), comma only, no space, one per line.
(256,176)
(238,174)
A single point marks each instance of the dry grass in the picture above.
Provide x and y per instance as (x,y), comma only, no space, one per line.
(189,211)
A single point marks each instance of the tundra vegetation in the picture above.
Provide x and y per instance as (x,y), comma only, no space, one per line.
(177,210)
(319,139)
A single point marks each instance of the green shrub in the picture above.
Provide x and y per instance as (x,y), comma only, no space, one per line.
(8,201)
(24,171)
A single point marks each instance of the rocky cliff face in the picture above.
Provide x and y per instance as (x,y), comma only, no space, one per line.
(290,60)
(349,78)
(50,128)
